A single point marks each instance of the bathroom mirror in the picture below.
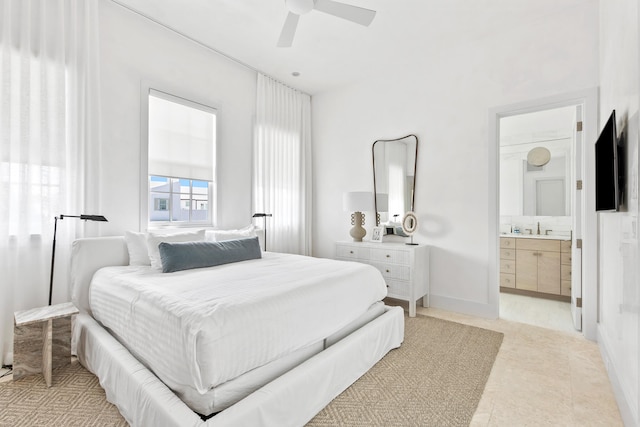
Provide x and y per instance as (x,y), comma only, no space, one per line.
(535,163)
(394,177)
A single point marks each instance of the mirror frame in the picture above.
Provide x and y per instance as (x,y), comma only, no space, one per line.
(409,223)
(415,168)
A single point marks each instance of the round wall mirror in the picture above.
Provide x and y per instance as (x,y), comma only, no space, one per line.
(409,223)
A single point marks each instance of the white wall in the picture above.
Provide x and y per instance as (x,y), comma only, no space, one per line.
(619,284)
(445,101)
(135,51)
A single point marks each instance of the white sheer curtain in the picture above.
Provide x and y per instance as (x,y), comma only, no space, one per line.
(282,165)
(49,140)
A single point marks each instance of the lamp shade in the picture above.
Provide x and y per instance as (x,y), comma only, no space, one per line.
(382,202)
(358,201)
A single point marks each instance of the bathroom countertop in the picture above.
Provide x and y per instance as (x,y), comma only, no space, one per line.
(536,236)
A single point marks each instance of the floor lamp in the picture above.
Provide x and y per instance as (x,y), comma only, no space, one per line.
(264,217)
(55,230)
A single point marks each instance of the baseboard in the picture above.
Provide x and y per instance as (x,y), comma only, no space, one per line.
(629,416)
(8,358)
(534,294)
(471,308)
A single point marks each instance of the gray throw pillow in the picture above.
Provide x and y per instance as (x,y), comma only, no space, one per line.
(187,255)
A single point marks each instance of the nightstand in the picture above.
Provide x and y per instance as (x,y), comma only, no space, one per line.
(405,268)
(42,340)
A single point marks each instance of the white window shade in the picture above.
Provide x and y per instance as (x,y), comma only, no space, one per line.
(181,138)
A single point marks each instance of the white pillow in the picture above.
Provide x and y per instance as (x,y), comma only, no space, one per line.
(137,247)
(154,238)
(222,235)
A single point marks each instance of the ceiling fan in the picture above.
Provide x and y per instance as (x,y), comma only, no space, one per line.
(297,8)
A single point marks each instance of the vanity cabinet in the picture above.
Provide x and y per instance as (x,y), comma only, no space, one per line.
(405,268)
(508,262)
(565,268)
(536,265)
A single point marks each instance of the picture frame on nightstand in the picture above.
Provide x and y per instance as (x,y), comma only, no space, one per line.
(376,234)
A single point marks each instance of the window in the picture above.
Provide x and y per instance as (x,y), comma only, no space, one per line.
(178,199)
(182,138)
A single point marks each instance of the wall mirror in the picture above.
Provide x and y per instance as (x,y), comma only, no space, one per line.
(394,177)
(535,163)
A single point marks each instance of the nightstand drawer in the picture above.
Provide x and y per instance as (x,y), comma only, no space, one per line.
(390,256)
(404,268)
(398,289)
(352,252)
(391,271)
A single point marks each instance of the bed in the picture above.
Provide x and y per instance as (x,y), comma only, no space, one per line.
(245,375)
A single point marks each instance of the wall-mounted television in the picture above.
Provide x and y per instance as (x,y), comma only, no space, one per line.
(607,167)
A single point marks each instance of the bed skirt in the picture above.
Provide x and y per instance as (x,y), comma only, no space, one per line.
(290,400)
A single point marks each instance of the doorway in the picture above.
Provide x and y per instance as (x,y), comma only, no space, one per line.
(573,223)
(537,164)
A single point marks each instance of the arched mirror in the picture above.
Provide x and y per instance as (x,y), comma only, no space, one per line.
(394,177)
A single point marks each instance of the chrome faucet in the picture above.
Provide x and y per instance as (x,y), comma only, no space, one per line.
(529,230)
(538,227)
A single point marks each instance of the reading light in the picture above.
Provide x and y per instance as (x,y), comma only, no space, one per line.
(55,230)
(264,217)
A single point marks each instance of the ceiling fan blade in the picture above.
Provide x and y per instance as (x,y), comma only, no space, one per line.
(355,14)
(288,30)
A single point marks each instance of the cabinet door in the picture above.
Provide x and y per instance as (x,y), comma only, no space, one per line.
(527,270)
(549,272)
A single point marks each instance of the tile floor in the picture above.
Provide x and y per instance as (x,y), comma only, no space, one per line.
(541,376)
(542,312)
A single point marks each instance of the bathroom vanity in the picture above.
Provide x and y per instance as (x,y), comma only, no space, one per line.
(536,265)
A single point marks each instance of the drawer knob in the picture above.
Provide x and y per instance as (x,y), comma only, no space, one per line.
(350,252)
(387,270)
(388,256)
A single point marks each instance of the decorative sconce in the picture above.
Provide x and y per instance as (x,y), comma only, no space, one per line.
(538,156)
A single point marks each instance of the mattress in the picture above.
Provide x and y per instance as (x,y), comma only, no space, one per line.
(198,329)
(224,395)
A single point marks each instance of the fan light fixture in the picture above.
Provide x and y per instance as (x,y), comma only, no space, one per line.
(298,8)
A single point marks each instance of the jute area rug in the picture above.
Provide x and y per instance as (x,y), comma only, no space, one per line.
(435,378)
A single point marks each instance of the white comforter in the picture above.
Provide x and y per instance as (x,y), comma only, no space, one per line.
(199,328)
